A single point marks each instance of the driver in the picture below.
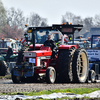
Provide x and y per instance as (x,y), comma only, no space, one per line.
(9,53)
(52,44)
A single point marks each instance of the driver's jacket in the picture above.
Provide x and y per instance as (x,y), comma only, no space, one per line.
(50,43)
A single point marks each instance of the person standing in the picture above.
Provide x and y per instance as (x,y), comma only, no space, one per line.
(9,53)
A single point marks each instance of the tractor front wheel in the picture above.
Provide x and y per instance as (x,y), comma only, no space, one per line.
(50,75)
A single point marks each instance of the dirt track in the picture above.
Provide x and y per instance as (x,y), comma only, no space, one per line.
(8,86)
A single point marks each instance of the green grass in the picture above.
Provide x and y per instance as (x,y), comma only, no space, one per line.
(5,77)
(75,91)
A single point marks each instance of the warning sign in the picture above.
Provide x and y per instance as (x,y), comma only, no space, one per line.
(94,55)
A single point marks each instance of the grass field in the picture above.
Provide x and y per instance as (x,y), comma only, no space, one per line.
(75,91)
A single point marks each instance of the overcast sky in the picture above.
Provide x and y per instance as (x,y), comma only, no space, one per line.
(54,9)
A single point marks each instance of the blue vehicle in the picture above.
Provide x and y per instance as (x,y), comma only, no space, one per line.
(94,59)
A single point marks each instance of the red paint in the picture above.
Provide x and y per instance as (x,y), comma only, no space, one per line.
(37,46)
(66,46)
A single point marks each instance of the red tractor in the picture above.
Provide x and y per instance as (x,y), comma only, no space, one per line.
(69,65)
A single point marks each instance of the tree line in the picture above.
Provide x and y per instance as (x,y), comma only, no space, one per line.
(12,21)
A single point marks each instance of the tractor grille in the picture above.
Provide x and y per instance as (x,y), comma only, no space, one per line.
(27,61)
(29,54)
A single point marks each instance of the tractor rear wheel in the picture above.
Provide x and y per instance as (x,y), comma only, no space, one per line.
(80,66)
(50,75)
(3,68)
(64,65)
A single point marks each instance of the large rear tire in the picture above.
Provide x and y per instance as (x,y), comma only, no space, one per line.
(65,65)
(50,75)
(80,66)
(3,68)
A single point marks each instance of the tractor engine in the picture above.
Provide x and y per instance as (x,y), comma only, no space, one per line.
(35,62)
(38,59)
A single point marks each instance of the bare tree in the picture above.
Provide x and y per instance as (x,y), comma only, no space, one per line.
(15,17)
(77,20)
(88,23)
(63,19)
(68,17)
(15,24)
(43,22)
(35,20)
(97,20)
(72,18)
(11,32)
(2,14)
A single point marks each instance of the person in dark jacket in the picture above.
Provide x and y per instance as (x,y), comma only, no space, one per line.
(52,44)
(9,53)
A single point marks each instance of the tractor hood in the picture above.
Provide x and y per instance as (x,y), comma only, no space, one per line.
(37,53)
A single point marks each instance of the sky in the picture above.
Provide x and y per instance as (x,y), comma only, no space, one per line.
(53,10)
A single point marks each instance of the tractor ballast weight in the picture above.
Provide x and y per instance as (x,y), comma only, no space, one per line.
(69,65)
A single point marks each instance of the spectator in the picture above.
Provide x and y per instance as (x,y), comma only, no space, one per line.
(9,53)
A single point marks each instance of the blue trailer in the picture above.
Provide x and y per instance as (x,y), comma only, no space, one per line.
(94,59)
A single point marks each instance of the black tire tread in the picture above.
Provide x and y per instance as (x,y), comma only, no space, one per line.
(64,64)
(3,68)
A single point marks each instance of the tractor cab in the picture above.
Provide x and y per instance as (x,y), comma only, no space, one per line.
(36,36)
(59,33)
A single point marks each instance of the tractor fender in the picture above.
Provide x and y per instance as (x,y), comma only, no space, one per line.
(67,46)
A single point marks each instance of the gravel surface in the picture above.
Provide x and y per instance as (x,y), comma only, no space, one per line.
(7,85)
